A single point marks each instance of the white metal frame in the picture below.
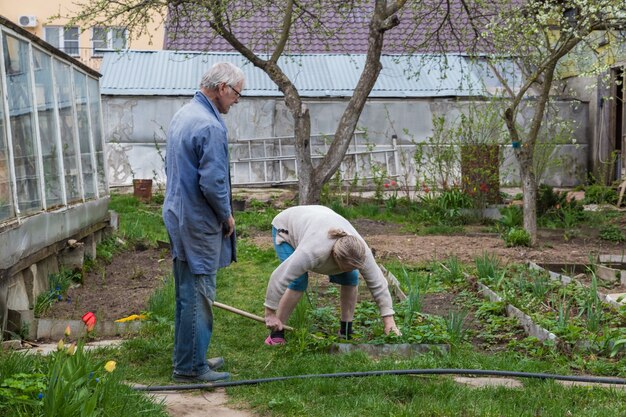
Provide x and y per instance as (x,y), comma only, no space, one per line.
(359,148)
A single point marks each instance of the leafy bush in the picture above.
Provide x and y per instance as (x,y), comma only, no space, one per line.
(600,194)
(548,199)
(511,216)
(517,237)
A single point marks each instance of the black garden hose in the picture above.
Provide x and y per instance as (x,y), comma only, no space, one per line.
(588,379)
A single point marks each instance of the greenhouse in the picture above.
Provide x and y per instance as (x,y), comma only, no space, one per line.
(51,148)
(53,187)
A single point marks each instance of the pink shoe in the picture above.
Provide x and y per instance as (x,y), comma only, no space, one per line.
(271,341)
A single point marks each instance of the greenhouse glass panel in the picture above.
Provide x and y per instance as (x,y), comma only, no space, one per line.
(48,128)
(67,124)
(84,134)
(6,196)
(96,131)
(23,135)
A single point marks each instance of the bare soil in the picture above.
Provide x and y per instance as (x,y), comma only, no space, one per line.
(117,289)
(123,286)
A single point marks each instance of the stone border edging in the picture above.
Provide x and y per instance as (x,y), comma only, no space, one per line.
(46,328)
(530,327)
(564,279)
(405,350)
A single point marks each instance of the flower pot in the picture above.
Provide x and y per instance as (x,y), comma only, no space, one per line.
(142,189)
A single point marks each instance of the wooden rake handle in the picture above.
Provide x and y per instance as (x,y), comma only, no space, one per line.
(245,314)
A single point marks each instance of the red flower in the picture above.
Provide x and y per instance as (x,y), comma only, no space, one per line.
(484,188)
(393,183)
(386,185)
(90,320)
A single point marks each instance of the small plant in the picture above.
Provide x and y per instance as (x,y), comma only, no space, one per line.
(540,286)
(392,201)
(564,314)
(58,284)
(453,270)
(592,306)
(454,325)
(511,216)
(517,237)
(487,266)
(379,175)
(612,233)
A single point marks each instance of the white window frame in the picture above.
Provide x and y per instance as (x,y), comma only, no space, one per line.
(62,41)
(109,30)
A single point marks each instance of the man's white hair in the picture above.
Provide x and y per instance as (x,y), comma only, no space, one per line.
(221,73)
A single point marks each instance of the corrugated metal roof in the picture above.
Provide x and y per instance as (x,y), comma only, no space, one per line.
(174,73)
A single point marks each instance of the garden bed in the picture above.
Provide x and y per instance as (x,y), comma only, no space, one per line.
(572,312)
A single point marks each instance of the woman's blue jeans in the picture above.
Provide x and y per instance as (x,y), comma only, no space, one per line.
(193,324)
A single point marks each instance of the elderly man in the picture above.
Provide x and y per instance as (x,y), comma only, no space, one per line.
(198,216)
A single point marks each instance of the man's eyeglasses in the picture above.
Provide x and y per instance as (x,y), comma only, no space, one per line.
(235,90)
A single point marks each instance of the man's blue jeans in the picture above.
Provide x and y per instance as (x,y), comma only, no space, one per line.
(193,325)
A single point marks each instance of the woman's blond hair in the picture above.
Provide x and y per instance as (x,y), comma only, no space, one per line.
(348,250)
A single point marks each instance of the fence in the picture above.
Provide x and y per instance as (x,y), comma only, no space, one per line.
(272,160)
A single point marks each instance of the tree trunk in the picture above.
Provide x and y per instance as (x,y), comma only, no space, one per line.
(529,189)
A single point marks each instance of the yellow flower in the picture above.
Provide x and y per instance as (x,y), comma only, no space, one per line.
(131,317)
(110,366)
(71,349)
(60,345)
(68,331)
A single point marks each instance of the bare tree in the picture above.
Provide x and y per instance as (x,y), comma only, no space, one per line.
(286,22)
(538,35)
(534,34)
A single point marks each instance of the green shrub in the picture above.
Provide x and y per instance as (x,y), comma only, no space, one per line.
(512,216)
(517,237)
(547,199)
(600,194)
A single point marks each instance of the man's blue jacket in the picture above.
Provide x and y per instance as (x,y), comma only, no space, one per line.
(198,196)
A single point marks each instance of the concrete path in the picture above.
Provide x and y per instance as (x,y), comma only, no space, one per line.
(199,403)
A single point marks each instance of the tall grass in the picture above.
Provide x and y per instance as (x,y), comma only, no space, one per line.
(487,266)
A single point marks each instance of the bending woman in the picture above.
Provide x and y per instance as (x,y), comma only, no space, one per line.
(316,239)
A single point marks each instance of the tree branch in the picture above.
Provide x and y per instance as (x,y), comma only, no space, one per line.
(284,36)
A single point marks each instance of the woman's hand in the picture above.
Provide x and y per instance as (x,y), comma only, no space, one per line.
(390,326)
(272,322)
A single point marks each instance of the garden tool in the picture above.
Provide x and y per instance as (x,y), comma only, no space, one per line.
(253,316)
(245,314)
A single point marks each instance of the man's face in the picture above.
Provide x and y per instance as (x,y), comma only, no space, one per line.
(227,95)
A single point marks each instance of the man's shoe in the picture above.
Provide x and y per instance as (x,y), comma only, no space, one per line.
(208,376)
(215,363)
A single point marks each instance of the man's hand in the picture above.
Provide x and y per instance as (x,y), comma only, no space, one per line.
(230,226)
(272,322)
(390,326)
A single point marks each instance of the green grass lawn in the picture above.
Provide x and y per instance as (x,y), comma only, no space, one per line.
(146,358)
(240,341)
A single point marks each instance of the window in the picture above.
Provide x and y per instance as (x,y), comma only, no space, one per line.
(67,126)
(64,38)
(46,115)
(104,38)
(21,123)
